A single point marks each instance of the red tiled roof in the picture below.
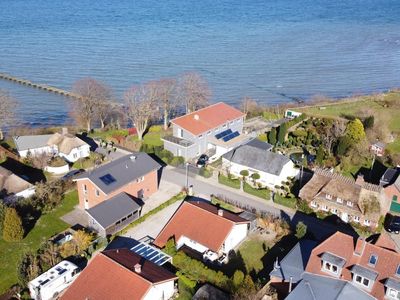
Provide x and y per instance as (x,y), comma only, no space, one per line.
(345,246)
(111,275)
(208,118)
(199,221)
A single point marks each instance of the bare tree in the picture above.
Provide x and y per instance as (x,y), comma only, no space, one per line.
(7,109)
(166,94)
(141,104)
(331,133)
(193,91)
(249,105)
(92,95)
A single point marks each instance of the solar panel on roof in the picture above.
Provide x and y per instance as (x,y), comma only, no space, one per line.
(107,179)
(223,133)
(150,253)
(230,136)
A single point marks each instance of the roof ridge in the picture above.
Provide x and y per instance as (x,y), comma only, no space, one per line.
(213,104)
(223,217)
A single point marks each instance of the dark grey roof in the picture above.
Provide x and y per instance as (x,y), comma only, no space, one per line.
(257,158)
(333,259)
(317,287)
(389,176)
(364,272)
(294,263)
(209,292)
(260,145)
(121,171)
(114,209)
(27,142)
(248,215)
(393,284)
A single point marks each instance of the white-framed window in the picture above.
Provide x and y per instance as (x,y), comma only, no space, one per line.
(314,204)
(75,155)
(231,123)
(85,189)
(97,193)
(330,267)
(325,207)
(373,260)
(334,211)
(392,293)
(356,219)
(225,125)
(208,133)
(327,196)
(349,203)
(339,200)
(180,132)
(200,136)
(140,179)
(361,280)
(367,222)
(238,120)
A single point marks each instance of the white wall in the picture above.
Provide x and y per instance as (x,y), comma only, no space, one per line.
(57,170)
(38,151)
(76,153)
(237,234)
(183,240)
(266,179)
(161,291)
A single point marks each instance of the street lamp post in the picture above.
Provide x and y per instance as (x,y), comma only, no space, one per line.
(187,176)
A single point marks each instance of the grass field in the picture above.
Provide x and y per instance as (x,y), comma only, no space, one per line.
(46,226)
(261,193)
(233,183)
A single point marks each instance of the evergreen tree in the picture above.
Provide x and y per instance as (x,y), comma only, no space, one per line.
(237,279)
(28,269)
(320,155)
(282,133)
(301,230)
(272,136)
(12,226)
(355,131)
(343,145)
(2,215)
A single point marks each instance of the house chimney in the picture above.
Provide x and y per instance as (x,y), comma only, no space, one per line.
(220,212)
(132,157)
(290,284)
(196,117)
(360,246)
(360,180)
(276,264)
(64,131)
(138,268)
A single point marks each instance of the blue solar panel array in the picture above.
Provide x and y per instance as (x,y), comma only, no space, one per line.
(150,253)
(107,179)
(223,133)
(230,136)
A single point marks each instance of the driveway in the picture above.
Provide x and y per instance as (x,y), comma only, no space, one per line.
(154,224)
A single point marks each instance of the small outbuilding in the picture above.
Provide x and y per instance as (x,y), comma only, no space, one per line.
(114,214)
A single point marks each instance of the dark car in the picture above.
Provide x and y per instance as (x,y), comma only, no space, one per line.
(202,161)
(72,174)
(393,224)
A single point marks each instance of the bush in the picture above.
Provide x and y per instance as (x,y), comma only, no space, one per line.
(206,173)
(263,137)
(272,136)
(304,207)
(176,161)
(166,153)
(12,227)
(155,128)
(57,162)
(237,279)
(301,230)
(2,215)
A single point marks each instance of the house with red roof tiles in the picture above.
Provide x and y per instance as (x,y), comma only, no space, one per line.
(215,129)
(204,228)
(344,267)
(121,274)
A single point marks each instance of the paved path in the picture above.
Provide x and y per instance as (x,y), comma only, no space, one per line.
(210,186)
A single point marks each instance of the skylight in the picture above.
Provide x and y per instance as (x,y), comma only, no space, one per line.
(107,179)
(373,259)
(398,270)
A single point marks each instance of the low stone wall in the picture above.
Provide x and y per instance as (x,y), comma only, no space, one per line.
(57,170)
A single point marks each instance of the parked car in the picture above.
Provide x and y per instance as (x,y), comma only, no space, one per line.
(202,161)
(393,224)
(72,174)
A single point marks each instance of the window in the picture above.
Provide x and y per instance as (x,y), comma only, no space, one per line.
(325,207)
(107,179)
(334,211)
(373,259)
(208,133)
(238,120)
(349,203)
(75,155)
(398,271)
(394,198)
(224,126)
(130,215)
(339,200)
(361,280)
(140,179)
(200,136)
(314,204)
(367,222)
(97,193)
(118,222)
(356,219)
(84,189)
(231,123)
(330,267)
(327,196)
(180,133)
(393,294)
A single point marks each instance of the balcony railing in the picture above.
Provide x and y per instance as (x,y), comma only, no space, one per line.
(178,141)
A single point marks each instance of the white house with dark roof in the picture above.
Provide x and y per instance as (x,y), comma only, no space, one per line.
(256,157)
(12,186)
(65,145)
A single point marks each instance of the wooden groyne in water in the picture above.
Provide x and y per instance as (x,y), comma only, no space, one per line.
(39,86)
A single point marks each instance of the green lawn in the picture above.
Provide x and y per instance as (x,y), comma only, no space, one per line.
(288,202)
(233,183)
(261,193)
(395,146)
(153,138)
(252,252)
(46,226)
(108,134)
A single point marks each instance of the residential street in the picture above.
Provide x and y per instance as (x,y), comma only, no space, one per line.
(203,186)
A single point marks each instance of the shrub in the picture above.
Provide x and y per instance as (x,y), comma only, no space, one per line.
(263,137)
(57,162)
(12,227)
(237,279)
(301,230)
(28,269)
(304,207)
(167,154)
(272,136)
(2,215)
(206,173)
(176,161)
(282,133)
(155,128)
(299,133)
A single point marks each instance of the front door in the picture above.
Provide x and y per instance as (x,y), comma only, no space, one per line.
(86,204)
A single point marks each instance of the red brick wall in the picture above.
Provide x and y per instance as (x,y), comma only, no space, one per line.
(390,191)
(149,186)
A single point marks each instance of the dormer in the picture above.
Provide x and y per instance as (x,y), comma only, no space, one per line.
(332,264)
(392,289)
(363,277)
